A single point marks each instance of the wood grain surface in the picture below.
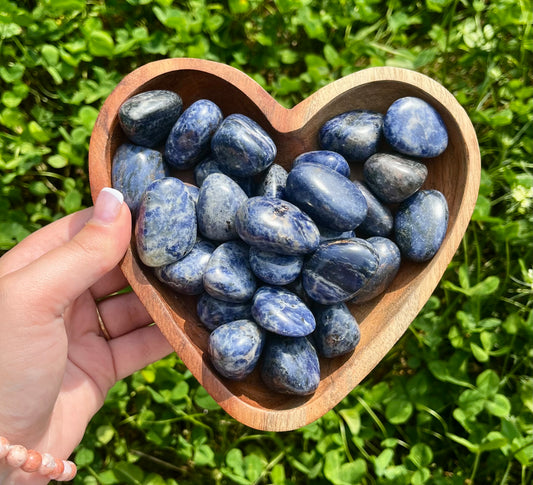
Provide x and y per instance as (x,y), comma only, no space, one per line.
(456,173)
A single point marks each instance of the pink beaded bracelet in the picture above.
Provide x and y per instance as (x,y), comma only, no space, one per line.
(32,461)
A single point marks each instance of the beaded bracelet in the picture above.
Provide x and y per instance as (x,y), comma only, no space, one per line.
(32,461)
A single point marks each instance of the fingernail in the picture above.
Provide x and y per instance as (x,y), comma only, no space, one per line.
(107,206)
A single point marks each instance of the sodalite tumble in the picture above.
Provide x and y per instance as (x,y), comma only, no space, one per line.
(186,275)
(210,165)
(276,225)
(189,139)
(378,220)
(241,147)
(413,127)
(213,312)
(218,201)
(148,117)
(355,134)
(393,178)
(337,331)
(281,312)
(228,275)
(290,365)
(235,348)
(420,225)
(389,264)
(166,224)
(273,182)
(330,159)
(274,268)
(134,169)
(330,198)
(338,269)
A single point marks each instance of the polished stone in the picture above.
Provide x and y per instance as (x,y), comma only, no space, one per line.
(328,197)
(290,365)
(241,147)
(272,183)
(209,165)
(235,347)
(355,134)
(134,169)
(338,269)
(281,312)
(331,235)
(148,117)
(276,225)
(186,275)
(213,312)
(330,159)
(389,265)
(228,275)
(379,219)
(274,268)
(337,331)
(189,140)
(420,225)
(166,224)
(219,199)
(414,127)
(393,178)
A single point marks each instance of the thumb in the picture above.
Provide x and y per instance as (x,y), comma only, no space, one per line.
(59,276)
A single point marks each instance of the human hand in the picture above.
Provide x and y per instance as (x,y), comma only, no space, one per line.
(56,366)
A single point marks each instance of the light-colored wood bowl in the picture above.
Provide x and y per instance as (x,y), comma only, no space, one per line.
(383,320)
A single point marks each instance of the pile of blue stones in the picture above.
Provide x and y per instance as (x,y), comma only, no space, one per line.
(273,254)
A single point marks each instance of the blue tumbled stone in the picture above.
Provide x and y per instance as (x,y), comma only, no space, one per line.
(189,139)
(337,331)
(290,365)
(331,235)
(235,347)
(413,127)
(379,219)
(389,264)
(420,225)
(209,165)
(219,199)
(213,312)
(166,224)
(186,275)
(134,169)
(148,117)
(241,147)
(393,178)
(228,275)
(281,312)
(331,199)
(274,268)
(355,134)
(273,182)
(330,159)
(276,225)
(338,269)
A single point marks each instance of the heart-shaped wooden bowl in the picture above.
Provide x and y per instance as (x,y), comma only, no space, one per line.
(383,320)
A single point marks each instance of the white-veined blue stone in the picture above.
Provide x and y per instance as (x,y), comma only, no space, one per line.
(189,139)
(273,182)
(213,312)
(413,127)
(290,365)
(186,275)
(281,312)
(330,159)
(219,199)
(235,347)
(274,268)
(276,225)
(228,275)
(166,224)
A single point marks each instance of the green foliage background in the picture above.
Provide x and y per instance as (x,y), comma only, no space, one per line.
(452,402)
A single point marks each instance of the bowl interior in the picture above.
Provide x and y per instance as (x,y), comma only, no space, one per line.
(383,320)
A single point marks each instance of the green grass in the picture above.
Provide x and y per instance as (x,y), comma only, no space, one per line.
(452,402)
